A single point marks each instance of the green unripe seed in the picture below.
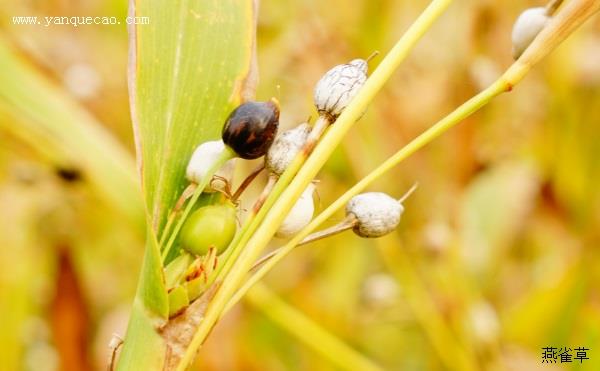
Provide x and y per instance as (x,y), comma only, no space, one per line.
(209,226)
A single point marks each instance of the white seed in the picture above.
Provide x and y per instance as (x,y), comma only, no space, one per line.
(285,148)
(300,214)
(338,86)
(526,28)
(377,214)
(203,158)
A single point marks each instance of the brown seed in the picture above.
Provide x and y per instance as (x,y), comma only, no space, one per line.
(251,128)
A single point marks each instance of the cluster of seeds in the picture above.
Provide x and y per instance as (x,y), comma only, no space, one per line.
(250,132)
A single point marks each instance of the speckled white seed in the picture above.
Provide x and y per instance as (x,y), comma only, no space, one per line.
(377,213)
(285,148)
(203,158)
(527,26)
(339,85)
(300,214)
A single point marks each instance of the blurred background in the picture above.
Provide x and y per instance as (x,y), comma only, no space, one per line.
(497,254)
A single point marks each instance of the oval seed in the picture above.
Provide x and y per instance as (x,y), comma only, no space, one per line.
(377,214)
(251,128)
(209,226)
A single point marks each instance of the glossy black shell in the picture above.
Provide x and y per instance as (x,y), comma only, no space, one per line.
(251,128)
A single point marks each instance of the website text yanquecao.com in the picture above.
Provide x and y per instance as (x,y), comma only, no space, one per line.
(76,21)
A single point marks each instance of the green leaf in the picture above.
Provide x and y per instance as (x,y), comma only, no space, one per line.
(188,69)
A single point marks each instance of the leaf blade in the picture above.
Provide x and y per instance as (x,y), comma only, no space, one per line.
(187,72)
(185,84)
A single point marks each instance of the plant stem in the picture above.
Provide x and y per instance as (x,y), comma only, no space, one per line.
(273,189)
(272,180)
(348,223)
(308,331)
(316,133)
(234,250)
(408,193)
(275,186)
(313,164)
(247,182)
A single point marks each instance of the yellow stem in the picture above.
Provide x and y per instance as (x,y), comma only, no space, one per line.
(308,331)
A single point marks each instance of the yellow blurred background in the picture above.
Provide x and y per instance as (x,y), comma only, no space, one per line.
(497,253)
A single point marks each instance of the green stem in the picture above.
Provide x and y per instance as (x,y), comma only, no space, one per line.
(323,150)
(308,331)
(226,155)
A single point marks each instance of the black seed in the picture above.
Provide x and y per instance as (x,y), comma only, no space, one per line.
(251,128)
